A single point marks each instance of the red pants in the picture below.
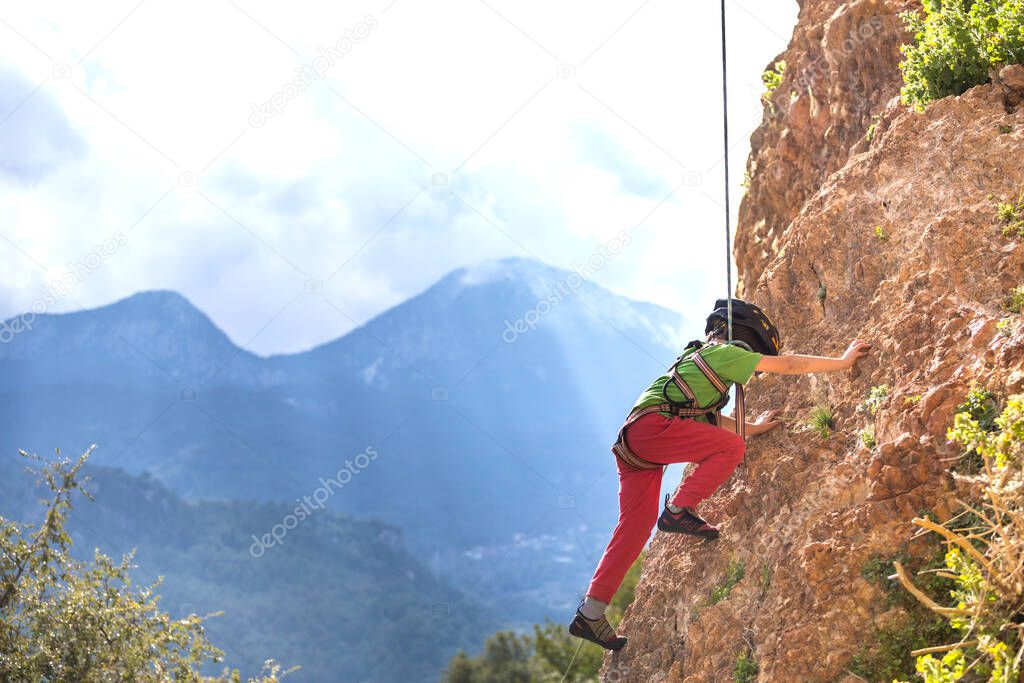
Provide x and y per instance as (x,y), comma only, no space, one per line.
(664,440)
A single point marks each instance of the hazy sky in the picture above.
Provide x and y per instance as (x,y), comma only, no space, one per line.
(235,150)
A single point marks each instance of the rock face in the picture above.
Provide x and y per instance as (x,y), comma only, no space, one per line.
(900,235)
(842,67)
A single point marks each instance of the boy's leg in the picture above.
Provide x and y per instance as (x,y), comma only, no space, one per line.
(638,511)
(664,440)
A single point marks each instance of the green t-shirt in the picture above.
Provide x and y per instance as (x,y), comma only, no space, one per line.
(732,363)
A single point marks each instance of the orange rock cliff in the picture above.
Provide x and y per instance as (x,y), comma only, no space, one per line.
(863,218)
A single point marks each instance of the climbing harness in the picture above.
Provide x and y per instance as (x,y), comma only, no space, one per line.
(687,408)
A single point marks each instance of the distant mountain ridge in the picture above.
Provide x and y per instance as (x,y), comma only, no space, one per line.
(483,439)
(156,335)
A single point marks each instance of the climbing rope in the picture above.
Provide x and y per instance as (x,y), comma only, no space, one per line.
(725,162)
(571,661)
(740,412)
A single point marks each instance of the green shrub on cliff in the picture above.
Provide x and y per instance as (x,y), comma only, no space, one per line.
(1015,301)
(822,420)
(746,668)
(1011,216)
(772,78)
(955,43)
(984,560)
(66,620)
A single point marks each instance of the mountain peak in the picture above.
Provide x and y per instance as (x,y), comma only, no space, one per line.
(154,300)
(153,333)
(507,268)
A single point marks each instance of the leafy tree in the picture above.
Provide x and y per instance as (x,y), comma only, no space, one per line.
(66,620)
(507,658)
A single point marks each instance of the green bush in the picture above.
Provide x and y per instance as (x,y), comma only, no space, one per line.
(867,437)
(955,43)
(870,134)
(733,575)
(886,653)
(1015,301)
(873,402)
(746,669)
(772,78)
(984,558)
(822,420)
(1010,215)
(979,407)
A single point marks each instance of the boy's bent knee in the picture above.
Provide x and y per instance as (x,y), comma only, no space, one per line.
(738,448)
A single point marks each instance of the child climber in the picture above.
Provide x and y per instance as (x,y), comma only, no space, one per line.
(677,420)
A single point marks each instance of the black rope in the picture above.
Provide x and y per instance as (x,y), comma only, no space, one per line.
(725,162)
(740,410)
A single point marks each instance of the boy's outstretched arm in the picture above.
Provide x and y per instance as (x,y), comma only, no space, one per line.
(796,364)
(764,423)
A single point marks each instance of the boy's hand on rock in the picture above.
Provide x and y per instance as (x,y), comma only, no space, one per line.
(857,350)
(767,421)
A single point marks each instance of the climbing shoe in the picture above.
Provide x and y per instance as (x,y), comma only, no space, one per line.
(596,631)
(686,521)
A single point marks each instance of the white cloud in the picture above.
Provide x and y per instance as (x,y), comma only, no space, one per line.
(465,88)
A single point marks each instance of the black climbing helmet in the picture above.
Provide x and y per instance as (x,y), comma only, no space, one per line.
(749,324)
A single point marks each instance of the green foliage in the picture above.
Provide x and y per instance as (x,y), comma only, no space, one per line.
(733,575)
(870,134)
(1015,301)
(822,420)
(955,43)
(879,568)
(746,669)
(979,406)
(1005,326)
(976,415)
(950,669)
(772,78)
(66,620)
(984,557)
(886,654)
(554,649)
(913,400)
(876,395)
(822,293)
(871,405)
(507,658)
(1011,215)
(880,234)
(546,654)
(867,437)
